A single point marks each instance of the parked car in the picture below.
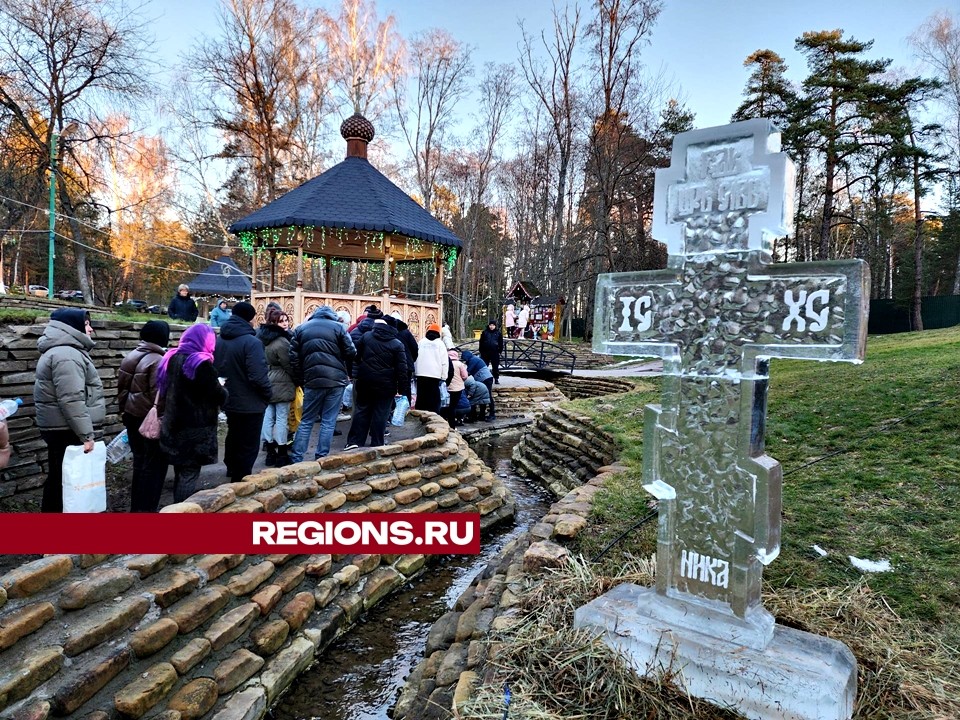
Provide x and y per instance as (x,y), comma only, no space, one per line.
(73,295)
(38,290)
(139,305)
(157,309)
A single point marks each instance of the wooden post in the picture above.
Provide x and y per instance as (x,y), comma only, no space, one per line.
(438,278)
(327,263)
(387,275)
(253,273)
(300,265)
(273,270)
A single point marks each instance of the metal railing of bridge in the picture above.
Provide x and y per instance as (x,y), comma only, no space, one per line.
(521,354)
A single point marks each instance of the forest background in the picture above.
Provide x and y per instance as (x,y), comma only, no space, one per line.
(543,164)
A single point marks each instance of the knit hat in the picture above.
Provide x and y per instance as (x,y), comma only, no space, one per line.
(74,317)
(374,312)
(244,311)
(156,332)
(433,327)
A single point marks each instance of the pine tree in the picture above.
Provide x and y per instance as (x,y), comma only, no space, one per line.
(836,109)
(767,93)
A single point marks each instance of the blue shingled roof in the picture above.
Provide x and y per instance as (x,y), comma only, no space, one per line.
(352,195)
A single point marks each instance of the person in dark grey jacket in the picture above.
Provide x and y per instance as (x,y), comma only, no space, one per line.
(68,395)
(275,336)
(136,392)
(319,353)
(240,358)
(381,373)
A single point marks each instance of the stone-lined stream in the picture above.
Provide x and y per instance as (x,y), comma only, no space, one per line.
(358,678)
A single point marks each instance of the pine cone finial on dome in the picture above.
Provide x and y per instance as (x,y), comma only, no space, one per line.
(357,127)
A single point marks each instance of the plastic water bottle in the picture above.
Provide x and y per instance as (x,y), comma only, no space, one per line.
(119,448)
(9,407)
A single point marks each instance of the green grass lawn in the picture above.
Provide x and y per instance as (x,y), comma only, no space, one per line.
(891,491)
(870,455)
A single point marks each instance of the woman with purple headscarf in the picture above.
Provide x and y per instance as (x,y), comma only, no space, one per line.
(193,396)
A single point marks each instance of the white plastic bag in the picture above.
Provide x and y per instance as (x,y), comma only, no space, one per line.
(85,479)
(444,395)
(347,401)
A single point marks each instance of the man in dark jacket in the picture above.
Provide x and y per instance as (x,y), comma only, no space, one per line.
(240,359)
(491,346)
(319,353)
(410,345)
(381,373)
(136,394)
(182,307)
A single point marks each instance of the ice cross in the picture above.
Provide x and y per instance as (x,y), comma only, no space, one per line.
(716,316)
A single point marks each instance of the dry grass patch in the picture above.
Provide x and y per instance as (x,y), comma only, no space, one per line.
(554,672)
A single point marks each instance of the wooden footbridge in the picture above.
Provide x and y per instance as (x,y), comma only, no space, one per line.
(531,355)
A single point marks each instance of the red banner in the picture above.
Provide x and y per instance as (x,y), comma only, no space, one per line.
(235,533)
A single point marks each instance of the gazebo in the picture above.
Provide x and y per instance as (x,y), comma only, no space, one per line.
(351,212)
(222,278)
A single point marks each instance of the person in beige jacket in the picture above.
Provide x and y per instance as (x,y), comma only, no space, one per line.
(68,395)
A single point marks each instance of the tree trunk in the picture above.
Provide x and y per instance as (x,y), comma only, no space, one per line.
(80,252)
(917,245)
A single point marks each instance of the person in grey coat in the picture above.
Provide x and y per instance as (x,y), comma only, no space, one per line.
(68,395)
(240,358)
(275,336)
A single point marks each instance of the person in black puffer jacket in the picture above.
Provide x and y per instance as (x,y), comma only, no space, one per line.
(319,352)
(491,347)
(276,344)
(380,372)
(240,358)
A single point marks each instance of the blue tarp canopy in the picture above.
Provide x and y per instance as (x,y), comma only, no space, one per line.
(223,277)
(352,195)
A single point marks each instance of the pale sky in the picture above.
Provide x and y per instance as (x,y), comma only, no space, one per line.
(699,44)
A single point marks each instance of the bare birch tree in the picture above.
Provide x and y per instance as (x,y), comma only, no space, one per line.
(439,68)
(362,47)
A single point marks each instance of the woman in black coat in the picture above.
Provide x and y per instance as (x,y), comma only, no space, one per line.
(380,371)
(192,396)
(491,346)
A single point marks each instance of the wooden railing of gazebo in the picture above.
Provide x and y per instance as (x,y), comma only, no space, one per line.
(301,304)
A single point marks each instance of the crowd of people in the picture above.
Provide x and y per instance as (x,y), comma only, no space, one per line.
(255,377)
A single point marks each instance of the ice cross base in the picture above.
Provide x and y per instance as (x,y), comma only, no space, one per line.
(799,676)
(716,315)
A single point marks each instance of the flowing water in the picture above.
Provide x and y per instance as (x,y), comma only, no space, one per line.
(359,677)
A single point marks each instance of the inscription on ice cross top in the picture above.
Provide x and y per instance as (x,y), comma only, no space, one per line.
(716,316)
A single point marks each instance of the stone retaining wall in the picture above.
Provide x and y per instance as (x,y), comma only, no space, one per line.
(18,362)
(183,637)
(575,387)
(458,645)
(563,449)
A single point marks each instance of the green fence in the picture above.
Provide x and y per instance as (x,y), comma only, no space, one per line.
(938,311)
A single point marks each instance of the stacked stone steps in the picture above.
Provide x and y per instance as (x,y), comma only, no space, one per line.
(575,387)
(563,449)
(222,636)
(526,400)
